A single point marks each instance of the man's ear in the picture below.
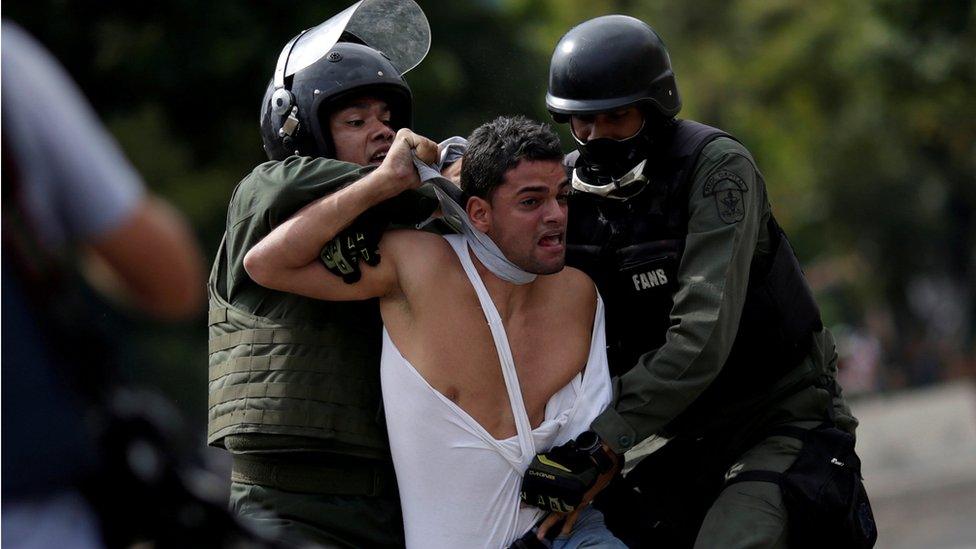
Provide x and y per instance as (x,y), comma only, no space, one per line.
(479,213)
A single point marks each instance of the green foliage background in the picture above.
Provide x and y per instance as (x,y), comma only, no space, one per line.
(861,114)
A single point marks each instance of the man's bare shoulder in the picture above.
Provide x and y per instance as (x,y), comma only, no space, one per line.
(574,291)
(416,251)
(414,240)
(580,282)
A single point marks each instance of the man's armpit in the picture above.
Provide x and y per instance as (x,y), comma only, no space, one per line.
(417,257)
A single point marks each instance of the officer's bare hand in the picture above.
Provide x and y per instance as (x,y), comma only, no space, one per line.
(398,166)
(452,172)
(570,518)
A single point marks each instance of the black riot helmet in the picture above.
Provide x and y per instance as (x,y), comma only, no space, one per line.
(605,64)
(611,62)
(295,108)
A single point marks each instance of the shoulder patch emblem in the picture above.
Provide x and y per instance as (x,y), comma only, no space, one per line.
(727,188)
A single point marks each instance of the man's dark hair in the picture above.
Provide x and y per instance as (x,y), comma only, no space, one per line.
(498,146)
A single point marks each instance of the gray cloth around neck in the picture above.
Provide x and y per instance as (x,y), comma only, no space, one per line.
(450,197)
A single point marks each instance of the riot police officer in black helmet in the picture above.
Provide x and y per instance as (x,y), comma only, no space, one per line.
(627,70)
(292,121)
(294,382)
(714,337)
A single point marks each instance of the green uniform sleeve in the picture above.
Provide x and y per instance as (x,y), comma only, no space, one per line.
(727,208)
(276,190)
(271,194)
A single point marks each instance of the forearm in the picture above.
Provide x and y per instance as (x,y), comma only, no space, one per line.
(153,260)
(298,241)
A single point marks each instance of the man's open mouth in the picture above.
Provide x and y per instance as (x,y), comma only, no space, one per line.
(551,240)
(377,157)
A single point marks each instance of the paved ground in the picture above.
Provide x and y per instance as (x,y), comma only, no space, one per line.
(940,518)
(918,449)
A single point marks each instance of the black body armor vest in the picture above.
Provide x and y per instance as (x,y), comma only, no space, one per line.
(632,249)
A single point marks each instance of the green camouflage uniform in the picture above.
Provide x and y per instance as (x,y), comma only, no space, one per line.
(294,382)
(722,240)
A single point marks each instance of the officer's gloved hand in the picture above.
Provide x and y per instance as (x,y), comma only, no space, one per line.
(342,254)
(358,242)
(558,480)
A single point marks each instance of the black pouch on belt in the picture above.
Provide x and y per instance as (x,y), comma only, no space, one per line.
(823,490)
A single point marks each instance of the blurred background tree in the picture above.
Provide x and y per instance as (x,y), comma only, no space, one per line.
(861,115)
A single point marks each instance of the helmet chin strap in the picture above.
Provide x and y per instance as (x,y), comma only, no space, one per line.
(282,101)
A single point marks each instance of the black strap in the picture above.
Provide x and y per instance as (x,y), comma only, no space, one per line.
(791,431)
(755,476)
(687,143)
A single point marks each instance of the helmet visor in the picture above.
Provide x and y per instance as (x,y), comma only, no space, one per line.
(398,28)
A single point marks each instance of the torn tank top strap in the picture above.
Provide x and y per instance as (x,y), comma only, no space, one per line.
(522,424)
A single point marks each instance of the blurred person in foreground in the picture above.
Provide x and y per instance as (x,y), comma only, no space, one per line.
(714,336)
(69,194)
(295,382)
(491,350)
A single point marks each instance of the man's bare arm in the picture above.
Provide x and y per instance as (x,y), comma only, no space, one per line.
(288,258)
(152,261)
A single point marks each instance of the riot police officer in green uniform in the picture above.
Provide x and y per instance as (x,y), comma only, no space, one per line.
(714,337)
(294,382)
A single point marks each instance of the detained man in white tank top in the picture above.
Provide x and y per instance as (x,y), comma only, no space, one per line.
(492,350)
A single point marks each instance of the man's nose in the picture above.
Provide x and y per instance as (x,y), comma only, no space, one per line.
(555,212)
(383,132)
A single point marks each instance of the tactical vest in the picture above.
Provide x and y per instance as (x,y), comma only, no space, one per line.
(318,380)
(632,249)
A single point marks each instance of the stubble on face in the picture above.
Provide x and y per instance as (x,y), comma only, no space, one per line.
(529,214)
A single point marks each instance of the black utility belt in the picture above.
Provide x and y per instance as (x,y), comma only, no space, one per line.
(314,477)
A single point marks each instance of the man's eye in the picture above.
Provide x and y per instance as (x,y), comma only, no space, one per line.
(387,123)
(354,123)
(562,198)
(529,202)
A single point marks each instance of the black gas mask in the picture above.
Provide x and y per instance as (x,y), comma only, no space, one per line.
(612,168)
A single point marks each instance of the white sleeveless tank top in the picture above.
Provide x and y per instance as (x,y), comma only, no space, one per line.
(459,486)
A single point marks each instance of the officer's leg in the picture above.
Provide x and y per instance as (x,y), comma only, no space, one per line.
(322,519)
(747,514)
(752,514)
